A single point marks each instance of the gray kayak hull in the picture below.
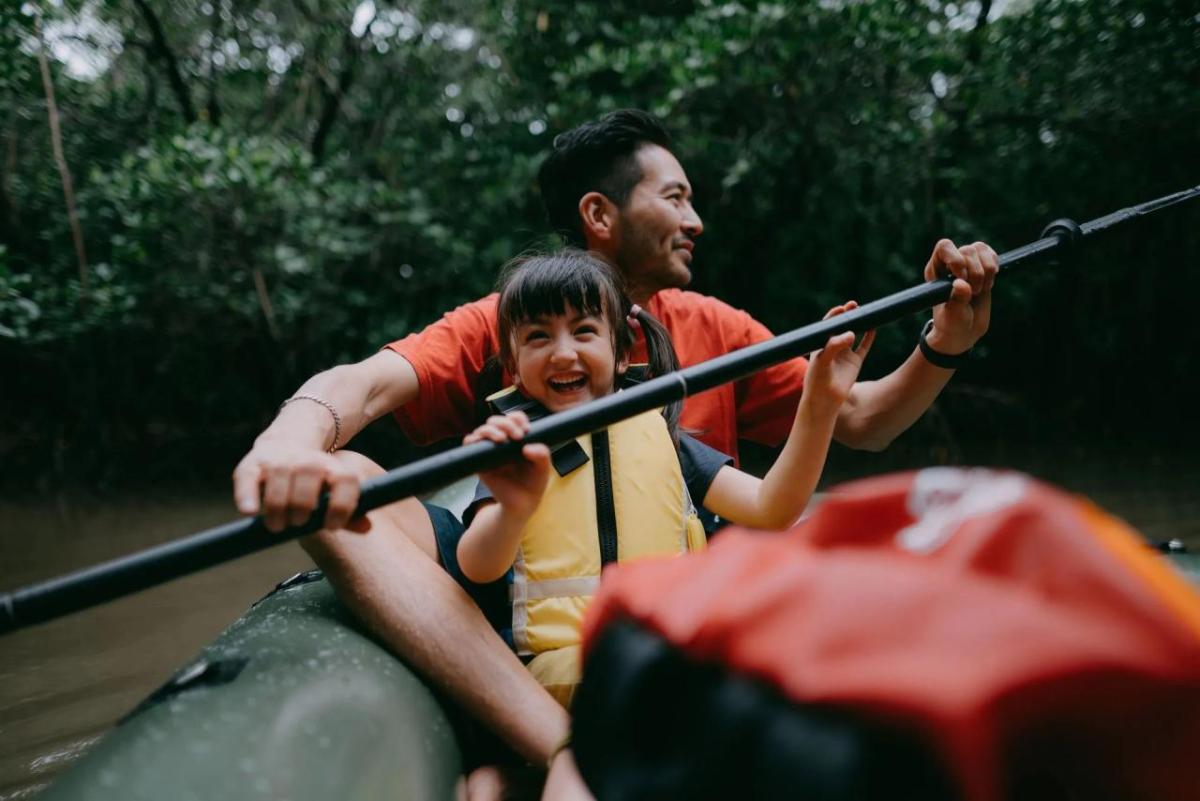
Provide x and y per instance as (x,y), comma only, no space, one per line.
(292,701)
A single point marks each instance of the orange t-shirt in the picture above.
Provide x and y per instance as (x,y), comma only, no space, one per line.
(449,355)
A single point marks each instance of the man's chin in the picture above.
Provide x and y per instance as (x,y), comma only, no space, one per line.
(681,275)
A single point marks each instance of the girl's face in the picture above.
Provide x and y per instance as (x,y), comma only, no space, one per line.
(565,360)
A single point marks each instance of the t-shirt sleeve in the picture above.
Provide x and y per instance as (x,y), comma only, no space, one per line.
(483,496)
(700,464)
(448,357)
(767,400)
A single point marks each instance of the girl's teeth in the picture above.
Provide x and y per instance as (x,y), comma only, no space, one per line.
(570,384)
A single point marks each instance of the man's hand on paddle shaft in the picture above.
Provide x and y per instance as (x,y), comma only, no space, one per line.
(960,322)
(283,482)
(284,473)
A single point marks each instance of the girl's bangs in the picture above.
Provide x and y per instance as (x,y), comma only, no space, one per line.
(550,289)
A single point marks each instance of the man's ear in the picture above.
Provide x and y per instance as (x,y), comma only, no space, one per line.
(598,216)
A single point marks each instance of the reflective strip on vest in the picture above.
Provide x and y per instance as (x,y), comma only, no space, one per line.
(554,588)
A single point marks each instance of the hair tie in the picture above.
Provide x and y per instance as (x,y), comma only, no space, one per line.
(632,317)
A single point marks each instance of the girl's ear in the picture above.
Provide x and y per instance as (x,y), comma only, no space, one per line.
(598,215)
(510,367)
(622,365)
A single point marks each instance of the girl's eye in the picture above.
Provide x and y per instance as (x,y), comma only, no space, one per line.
(535,335)
(585,329)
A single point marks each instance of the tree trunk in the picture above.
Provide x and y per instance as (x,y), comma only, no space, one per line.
(61,159)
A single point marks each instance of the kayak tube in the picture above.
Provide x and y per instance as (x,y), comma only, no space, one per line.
(293,701)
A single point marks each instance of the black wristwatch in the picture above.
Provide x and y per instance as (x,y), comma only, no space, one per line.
(940,359)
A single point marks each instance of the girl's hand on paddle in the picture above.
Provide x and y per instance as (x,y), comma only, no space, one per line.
(960,322)
(833,369)
(517,486)
(283,482)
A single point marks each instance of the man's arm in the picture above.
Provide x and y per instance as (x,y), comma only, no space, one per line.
(879,411)
(284,472)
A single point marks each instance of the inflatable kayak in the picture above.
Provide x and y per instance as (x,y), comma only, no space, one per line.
(293,701)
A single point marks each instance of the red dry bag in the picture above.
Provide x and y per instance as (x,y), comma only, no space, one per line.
(948,633)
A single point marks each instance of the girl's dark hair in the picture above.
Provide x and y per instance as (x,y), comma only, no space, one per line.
(540,285)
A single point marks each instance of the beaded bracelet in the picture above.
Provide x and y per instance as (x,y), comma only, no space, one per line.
(337,419)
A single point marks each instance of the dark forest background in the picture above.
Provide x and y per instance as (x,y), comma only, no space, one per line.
(260,189)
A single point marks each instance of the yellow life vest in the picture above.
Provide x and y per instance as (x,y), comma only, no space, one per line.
(616,495)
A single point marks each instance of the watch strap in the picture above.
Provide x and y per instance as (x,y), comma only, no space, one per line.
(937,358)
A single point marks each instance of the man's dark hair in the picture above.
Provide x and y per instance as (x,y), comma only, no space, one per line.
(598,156)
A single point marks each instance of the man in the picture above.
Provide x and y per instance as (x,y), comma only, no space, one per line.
(614,187)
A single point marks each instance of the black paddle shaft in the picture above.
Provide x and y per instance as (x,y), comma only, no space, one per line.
(94,585)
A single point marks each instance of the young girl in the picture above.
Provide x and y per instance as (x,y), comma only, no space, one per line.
(550,522)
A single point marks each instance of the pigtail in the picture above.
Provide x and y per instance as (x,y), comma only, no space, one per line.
(489,381)
(660,353)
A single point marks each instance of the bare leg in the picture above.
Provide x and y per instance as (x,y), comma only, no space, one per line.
(564,782)
(390,579)
(487,783)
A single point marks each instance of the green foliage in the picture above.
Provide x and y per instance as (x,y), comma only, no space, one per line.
(268,188)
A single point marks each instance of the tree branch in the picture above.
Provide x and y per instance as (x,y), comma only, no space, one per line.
(306,12)
(213,107)
(163,51)
(352,51)
(975,40)
(264,302)
(9,220)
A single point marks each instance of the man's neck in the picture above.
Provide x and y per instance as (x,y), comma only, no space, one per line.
(637,293)
(640,297)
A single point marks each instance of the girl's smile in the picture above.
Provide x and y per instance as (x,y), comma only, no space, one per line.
(564,360)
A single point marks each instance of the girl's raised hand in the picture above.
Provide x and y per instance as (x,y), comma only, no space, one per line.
(517,486)
(833,369)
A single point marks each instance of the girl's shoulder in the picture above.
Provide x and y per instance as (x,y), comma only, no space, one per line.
(700,464)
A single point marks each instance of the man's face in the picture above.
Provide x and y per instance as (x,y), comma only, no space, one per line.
(656,227)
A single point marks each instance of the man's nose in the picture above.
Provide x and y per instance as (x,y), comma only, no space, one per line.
(692,224)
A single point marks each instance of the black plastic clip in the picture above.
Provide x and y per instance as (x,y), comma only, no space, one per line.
(201,673)
(1066,231)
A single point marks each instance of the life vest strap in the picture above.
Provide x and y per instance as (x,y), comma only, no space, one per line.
(606,510)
